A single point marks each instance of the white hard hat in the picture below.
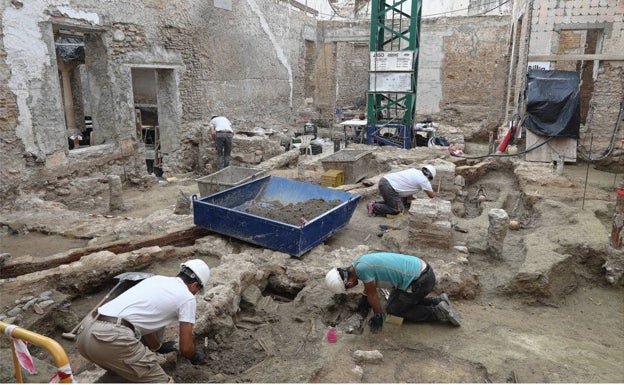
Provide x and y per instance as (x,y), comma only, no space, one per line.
(334,281)
(431,170)
(200,270)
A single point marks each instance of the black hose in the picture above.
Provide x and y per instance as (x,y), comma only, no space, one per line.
(507,155)
(609,150)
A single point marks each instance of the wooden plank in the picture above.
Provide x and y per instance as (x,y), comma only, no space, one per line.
(578,57)
(552,150)
(179,238)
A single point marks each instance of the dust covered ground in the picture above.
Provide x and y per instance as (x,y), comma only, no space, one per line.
(575,337)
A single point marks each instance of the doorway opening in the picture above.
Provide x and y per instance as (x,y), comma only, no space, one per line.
(157,116)
(144,92)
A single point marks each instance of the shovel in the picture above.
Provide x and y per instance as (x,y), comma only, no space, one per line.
(132,276)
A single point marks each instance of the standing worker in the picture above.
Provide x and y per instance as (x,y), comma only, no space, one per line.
(221,133)
(123,334)
(411,279)
(396,187)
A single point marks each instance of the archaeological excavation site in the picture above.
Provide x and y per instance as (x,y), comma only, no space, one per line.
(320,191)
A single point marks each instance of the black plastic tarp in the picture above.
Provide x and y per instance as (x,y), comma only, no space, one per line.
(553,106)
(70,49)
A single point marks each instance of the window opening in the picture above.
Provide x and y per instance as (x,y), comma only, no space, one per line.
(70,58)
(581,42)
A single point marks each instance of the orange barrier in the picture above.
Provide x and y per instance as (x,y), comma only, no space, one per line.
(63,374)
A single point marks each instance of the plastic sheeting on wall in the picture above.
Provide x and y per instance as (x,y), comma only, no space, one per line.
(70,49)
(553,104)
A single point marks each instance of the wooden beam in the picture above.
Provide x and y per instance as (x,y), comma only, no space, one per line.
(579,57)
(178,239)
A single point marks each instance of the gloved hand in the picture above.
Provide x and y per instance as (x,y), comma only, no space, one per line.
(199,358)
(167,347)
(376,323)
(363,307)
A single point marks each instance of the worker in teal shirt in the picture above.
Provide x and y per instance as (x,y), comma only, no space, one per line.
(411,280)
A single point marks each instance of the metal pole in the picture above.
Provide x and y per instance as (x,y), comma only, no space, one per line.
(621,151)
(591,141)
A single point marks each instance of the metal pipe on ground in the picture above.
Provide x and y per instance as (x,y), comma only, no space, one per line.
(591,141)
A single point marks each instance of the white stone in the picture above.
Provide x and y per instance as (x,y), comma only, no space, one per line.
(370,356)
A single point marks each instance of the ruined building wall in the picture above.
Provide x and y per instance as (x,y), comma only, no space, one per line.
(260,63)
(11,148)
(246,63)
(586,37)
(352,63)
(463,76)
(349,76)
(462,68)
(33,150)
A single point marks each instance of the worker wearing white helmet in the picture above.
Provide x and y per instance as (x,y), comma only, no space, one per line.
(395,188)
(123,335)
(411,280)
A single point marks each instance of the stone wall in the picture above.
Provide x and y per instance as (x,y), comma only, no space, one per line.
(472,69)
(430,224)
(462,68)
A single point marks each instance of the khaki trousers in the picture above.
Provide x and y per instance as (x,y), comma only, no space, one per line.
(116,348)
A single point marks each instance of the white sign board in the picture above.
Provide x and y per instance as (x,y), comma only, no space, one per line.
(392,61)
(390,82)
(539,65)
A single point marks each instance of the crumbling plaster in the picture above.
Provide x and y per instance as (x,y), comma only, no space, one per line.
(33,78)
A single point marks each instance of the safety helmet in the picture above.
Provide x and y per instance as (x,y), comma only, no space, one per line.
(200,271)
(334,281)
(429,169)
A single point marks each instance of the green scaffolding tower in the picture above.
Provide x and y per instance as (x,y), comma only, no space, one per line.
(393,72)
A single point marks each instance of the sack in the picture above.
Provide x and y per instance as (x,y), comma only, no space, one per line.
(438,141)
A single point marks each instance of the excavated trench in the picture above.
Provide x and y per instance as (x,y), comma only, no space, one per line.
(266,331)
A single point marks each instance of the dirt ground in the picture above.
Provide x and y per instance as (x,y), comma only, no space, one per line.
(503,338)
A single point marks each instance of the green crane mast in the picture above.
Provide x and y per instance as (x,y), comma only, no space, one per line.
(393,72)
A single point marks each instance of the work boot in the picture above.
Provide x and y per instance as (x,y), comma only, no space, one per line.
(443,298)
(445,313)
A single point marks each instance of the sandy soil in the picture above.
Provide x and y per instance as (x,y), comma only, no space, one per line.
(502,338)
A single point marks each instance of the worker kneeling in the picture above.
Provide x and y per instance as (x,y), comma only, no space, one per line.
(123,337)
(411,279)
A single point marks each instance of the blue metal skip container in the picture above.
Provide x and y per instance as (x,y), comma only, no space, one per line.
(223,212)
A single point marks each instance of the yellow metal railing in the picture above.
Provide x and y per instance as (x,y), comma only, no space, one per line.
(53,347)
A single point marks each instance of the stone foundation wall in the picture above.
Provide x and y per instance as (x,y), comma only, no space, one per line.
(430,224)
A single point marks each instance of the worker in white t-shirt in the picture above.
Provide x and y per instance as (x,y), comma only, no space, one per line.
(396,187)
(222,133)
(123,334)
